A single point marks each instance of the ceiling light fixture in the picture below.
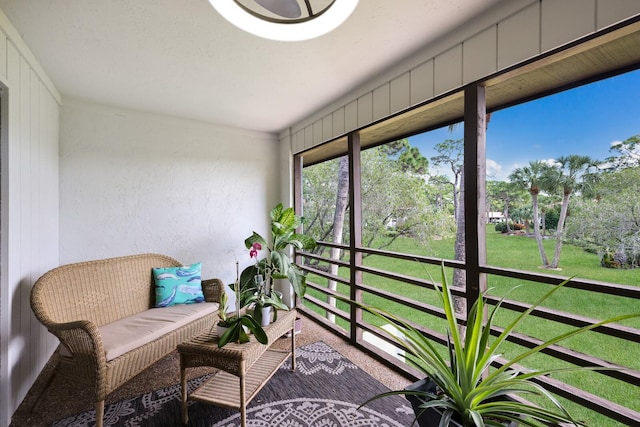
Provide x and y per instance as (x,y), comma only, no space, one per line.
(285,20)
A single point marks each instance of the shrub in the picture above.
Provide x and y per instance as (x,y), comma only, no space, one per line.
(551,219)
(501,227)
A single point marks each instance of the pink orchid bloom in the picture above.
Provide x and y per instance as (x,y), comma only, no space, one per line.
(253,253)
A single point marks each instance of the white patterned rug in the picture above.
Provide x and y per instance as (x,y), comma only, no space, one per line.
(325,391)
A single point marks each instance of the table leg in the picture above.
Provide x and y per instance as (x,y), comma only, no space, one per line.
(293,345)
(183,392)
(243,404)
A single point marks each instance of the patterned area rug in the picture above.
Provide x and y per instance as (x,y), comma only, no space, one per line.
(324,391)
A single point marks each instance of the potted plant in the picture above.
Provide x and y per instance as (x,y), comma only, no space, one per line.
(276,264)
(235,328)
(265,303)
(462,389)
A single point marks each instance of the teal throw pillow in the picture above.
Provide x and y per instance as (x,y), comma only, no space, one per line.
(178,285)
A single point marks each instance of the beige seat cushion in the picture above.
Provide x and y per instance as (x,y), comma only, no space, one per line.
(134,331)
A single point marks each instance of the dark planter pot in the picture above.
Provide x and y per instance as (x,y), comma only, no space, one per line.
(431,417)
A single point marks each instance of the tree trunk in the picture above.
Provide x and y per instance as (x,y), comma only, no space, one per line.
(506,216)
(560,229)
(342,201)
(459,275)
(536,231)
(456,203)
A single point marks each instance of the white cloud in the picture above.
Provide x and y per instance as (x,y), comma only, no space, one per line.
(551,162)
(494,169)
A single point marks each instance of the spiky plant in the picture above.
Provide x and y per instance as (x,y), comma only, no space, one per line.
(469,389)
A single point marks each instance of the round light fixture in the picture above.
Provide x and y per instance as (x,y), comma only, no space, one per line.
(285,20)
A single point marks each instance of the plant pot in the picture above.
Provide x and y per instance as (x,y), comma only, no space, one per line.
(266,316)
(221,330)
(431,417)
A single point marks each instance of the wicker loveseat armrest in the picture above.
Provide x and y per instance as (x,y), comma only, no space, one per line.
(80,337)
(212,288)
(82,355)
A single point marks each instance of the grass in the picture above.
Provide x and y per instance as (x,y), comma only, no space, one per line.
(521,252)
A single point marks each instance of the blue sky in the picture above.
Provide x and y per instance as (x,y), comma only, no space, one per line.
(585,120)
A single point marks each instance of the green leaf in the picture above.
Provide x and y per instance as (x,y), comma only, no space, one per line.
(255,238)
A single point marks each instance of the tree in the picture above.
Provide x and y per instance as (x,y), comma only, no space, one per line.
(439,192)
(570,174)
(610,224)
(396,201)
(628,153)
(533,178)
(342,202)
(503,192)
(396,204)
(409,158)
(450,152)
(318,198)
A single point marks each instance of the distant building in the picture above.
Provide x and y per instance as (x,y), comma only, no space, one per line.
(494,217)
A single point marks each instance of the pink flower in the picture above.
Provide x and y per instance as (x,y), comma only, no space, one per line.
(253,253)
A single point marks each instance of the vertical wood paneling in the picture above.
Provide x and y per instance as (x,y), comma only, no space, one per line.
(27,219)
(50,230)
(327,127)
(421,82)
(448,70)
(3,56)
(298,141)
(479,55)
(10,379)
(381,101)
(400,93)
(308,137)
(317,132)
(338,122)
(611,11)
(365,109)
(351,116)
(519,36)
(36,196)
(566,20)
(31,227)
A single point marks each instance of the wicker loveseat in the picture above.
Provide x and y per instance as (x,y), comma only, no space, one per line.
(100,310)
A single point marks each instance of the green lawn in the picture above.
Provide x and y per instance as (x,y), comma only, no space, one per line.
(521,252)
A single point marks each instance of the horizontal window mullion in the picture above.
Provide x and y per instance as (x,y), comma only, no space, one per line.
(326,275)
(571,356)
(324,259)
(328,307)
(409,279)
(614,330)
(582,284)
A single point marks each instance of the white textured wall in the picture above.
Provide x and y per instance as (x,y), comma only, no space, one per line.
(133,182)
(510,33)
(29,219)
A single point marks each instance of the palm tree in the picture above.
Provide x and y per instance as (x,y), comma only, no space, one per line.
(570,174)
(533,178)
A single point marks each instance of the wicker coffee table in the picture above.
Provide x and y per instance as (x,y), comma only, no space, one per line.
(244,368)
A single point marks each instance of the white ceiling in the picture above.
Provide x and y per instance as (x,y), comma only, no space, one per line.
(179,57)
